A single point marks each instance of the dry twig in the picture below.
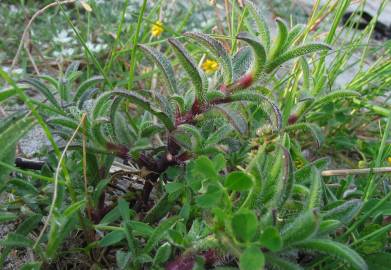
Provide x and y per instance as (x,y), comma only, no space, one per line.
(345,172)
(27,28)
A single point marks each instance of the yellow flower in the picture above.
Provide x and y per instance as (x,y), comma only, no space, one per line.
(389,160)
(157,29)
(210,66)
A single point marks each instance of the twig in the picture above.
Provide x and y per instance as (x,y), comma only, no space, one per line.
(344,172)
(29,164)
(25,32)
(30,56)
(53,204)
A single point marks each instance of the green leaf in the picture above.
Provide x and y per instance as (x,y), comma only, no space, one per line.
(259,54)
(217,50)
(235,118)
(85,86)
(238,181)
(160,209)
(271,239)
(196,75)
(280,263)
(328,226)
(281,39)
(214,94)
(204,166)
(336,249)
(244,225)
(15,240)
(23,185)
(306,74)
(292,36)
(122,259)
(31,266)
(10,135)
(263,29)
(303,174)
(242,62)
(174,187)
(29,224)
(195,132)
(301,228)
(111,216)
(112,238)
(219,162)
(263,102)
(162,254)
(341,94)
(43,89)
(63,122)
(159,233)
(88,94)
(141,228)
(60,228)
(6,93)
(14,132)
(7,217)
(344,212)
(123,207)
(252,259)
(313,129)
(211,198)
(296,52)
(73,208)
(315,196)
(378,261)
(146,105)
(164,65)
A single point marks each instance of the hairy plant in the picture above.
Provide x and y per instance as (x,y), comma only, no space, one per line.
(225,182)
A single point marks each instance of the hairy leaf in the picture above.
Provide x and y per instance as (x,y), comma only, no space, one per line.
(313,129)
(296,52)
(43,89)
(159,233)
(315,194)
(88,94)
(164,65)
(63,122)
(259,54)
(194,132)
(332,96)
(344,212)
(263,29)
(335,249)
(235,118)
(86,85)
(146,105)
(242,62)
(280,40)
(217,50)
(301,228)
(280,263)
(196,75)
(252,259)
(292,36)
(261,100)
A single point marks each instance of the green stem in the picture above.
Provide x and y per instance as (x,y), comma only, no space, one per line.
(134,49)
(119,30)
(371,184)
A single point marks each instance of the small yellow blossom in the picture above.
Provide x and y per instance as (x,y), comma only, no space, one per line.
(157,29)
(210,66)
(389,160)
